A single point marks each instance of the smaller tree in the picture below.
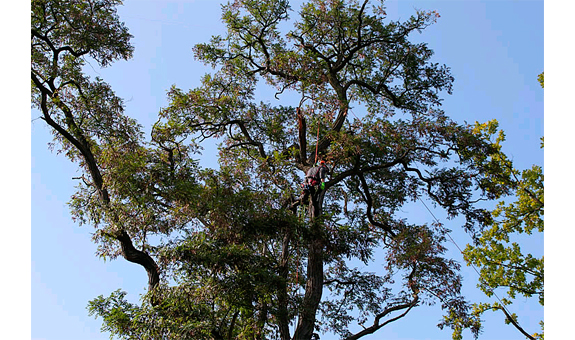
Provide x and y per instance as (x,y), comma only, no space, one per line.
(502,262)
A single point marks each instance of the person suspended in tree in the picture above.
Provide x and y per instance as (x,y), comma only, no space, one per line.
(315,177)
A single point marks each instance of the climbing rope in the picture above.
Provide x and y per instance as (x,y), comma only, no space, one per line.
(316,142)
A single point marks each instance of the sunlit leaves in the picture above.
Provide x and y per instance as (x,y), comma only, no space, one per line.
(502,261)
(234,243)
(540,79)
(79,27)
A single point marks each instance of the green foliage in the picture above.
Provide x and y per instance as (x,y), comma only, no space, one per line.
(502,261)
(237,260)
(540,78)
(116,312)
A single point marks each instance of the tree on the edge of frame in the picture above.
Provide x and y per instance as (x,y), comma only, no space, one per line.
(503,263)
(234,252)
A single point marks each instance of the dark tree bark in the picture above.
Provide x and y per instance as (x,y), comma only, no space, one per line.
(315,275)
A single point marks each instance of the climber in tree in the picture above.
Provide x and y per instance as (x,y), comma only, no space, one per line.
(315,176)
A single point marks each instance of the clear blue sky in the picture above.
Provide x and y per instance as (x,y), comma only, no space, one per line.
(495,51)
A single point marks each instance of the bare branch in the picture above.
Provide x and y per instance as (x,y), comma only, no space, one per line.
(514,323)
(376,323)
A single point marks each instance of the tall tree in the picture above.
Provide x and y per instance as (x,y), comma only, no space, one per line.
(498,254)
(87,117)
(234,252)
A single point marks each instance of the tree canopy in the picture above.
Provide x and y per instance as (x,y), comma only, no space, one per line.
(233,251)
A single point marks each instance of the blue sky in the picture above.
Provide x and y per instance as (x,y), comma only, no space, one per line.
(494,48)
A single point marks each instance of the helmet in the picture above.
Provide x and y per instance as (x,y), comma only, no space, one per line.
(321,162)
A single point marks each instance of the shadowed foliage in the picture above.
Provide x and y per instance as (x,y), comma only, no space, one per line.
(233,252)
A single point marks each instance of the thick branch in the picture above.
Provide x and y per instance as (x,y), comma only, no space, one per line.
(302,137)
(376,325)
(514,323)
(283,317)
(247,135)
(369,202)
(134,255)
(380,89)
(315,275)
(79,141)
(325,142)
(356,170)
